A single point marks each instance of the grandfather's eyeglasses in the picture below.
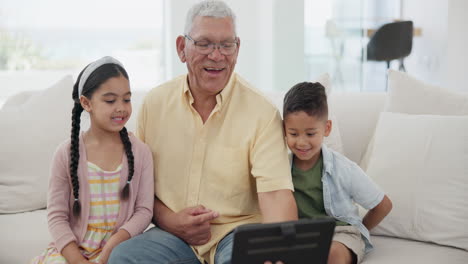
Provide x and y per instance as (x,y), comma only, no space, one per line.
(205,47)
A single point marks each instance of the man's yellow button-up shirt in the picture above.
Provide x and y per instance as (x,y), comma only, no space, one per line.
(220,164)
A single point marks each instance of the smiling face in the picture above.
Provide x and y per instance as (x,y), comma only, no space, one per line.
(304,136)
(110,106)
(208,74)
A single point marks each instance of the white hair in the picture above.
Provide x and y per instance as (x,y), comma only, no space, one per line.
(209,8)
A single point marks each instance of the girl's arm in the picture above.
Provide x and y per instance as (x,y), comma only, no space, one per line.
(375,215)
(144,202)
(58,200)
(73,255)
(113,241)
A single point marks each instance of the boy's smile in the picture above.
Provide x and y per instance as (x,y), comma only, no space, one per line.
(304,136)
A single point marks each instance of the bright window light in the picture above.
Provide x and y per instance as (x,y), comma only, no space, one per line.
(42,41)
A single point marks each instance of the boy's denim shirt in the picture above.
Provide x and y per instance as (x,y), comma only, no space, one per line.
(344,184)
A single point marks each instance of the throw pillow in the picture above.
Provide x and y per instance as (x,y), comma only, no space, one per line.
(411,96)
(18,99)
(31,132)
(421,163)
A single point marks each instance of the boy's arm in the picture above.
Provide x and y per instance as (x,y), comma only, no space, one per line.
(375,215)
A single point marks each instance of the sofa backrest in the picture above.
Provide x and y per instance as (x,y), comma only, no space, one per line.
(37,122)
(357,115)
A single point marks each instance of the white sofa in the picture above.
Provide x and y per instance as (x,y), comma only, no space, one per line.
(25,234)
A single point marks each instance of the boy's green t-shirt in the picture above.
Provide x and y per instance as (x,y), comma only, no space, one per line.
(309,191)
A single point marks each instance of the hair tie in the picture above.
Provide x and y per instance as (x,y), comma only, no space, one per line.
(92,67)
(128,182)
(76,199)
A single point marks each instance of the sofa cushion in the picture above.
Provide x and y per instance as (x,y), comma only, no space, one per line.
(18,99)
(421,163)
(390,250)
(357,115)
(31,131)
(411,96)
(24,236)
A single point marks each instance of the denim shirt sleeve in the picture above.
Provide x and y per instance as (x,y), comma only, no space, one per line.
(362,189)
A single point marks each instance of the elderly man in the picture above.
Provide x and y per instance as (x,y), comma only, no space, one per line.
(218,147)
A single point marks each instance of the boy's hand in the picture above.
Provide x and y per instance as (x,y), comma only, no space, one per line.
(375,215)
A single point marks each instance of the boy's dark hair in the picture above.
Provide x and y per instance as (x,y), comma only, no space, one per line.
(96,78)
(308,97)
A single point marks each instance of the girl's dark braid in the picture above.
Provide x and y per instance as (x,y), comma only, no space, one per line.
(92,83)
(128,151)
(75,155)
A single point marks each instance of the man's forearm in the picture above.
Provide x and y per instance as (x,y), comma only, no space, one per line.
(160,214)
(277,206)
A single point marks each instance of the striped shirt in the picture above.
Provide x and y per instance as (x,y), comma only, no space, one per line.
(104,210)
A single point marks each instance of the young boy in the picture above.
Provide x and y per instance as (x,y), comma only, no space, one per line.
(327,183)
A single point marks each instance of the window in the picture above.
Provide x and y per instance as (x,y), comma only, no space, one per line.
(42,41)
(335,39)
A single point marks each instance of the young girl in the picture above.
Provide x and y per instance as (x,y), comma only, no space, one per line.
(101,185)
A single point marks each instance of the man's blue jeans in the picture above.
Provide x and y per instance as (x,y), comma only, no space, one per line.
(157,246)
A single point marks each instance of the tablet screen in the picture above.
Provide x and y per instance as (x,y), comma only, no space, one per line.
(293,242)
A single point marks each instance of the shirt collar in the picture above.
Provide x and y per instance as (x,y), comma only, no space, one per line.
(221,98)
(327,159)
(186,91)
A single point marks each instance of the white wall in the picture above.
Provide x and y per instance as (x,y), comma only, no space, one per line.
(456,75)
(439,56)
(426,59)
(288,43)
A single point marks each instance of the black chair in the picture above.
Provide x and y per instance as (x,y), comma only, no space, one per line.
(392,41)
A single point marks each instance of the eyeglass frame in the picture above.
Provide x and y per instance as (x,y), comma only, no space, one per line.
(213,45)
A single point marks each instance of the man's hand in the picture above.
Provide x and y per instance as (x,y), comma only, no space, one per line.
(193,224)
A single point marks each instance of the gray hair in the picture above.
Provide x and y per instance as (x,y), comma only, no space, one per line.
(209,8)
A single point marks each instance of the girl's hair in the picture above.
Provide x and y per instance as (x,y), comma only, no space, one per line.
(208,8)
(95,79)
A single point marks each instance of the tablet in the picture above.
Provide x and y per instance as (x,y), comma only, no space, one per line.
(293,242)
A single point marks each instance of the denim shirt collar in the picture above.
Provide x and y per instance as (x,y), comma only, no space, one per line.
(328,165)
